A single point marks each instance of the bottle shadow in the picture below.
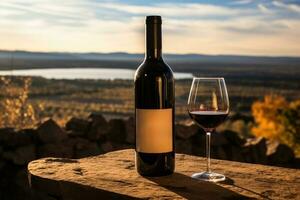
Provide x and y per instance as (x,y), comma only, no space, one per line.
(190,188)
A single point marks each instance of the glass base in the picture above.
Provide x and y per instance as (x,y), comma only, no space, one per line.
(209,176)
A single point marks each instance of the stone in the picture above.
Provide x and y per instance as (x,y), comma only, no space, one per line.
(82,147)
(113,176)
(22,155)
(185,131)
(72,133)
(6,134)
(11,138)
(90,149)
(55,150)
(231,152)
(1,150)
(218,139)
(218,152)
(243,117)
(14,183)
(107,146)
(233,138)
(183,146)
(130,130)
(98,127)
(279,153)
(116,131)
(79,126)
(2,164)
(26,136)
(257,149)
(247,154)
(37,195)
(50,132)
(198,143)
(236,153)
(22,178)
(97,117)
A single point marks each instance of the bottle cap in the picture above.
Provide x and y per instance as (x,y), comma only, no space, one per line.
(154,19)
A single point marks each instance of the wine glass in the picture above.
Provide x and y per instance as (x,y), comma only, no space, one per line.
(208,106)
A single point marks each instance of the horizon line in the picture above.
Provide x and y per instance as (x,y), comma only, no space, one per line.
(143,53)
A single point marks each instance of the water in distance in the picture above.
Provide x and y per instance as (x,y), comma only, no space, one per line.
(82,73)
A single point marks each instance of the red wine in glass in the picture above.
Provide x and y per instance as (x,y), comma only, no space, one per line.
(208,119)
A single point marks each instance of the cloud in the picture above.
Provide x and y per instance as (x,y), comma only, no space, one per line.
(38,8)
(106,26)
(290,7)
(264,9)
(242,2)
(168,9)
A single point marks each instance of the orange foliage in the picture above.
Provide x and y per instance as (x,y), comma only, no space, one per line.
(266,116)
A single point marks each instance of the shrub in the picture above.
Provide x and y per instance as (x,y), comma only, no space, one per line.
(279,120)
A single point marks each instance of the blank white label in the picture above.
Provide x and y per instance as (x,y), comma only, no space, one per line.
(154,130)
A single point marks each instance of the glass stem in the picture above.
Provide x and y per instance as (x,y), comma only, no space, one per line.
(208,151)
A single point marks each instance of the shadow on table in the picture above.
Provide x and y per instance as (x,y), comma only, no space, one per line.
(229,181)
(65,190)
(189,188)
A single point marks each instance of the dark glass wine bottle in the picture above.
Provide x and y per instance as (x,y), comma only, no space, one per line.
(154,108)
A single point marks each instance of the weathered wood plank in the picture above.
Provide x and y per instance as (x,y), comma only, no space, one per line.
(113,176)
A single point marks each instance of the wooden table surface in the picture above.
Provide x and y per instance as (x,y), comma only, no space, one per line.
(113,176)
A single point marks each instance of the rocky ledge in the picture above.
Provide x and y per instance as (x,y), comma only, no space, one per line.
(113,176)
(97,135)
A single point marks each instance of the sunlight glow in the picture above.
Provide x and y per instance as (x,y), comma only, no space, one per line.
(228,27)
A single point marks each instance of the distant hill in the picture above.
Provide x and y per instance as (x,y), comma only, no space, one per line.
(118,56)
(198,64)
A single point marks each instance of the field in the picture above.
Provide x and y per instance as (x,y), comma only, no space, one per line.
(62,99)
(248,81)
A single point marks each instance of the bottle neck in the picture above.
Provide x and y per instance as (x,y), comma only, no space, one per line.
(153,41)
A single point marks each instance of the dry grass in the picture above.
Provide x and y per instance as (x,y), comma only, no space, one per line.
(15,109)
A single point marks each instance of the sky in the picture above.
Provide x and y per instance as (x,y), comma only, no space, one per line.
(239,27)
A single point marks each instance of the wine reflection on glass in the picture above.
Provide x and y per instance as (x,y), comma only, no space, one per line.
(208,106)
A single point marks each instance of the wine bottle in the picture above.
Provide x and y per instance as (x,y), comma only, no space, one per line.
(154,107)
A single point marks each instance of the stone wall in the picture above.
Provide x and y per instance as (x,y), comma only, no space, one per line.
(95,135)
